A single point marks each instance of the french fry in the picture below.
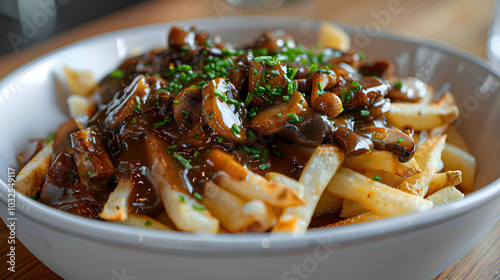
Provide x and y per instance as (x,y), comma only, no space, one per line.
(365,217)
(455,158)
(142,221)
(442,180)
(327,203)
(287,181)
(186,213)
(383,160)
(375,196)
(80,82)
(423,117)
(235,214)
(32,176)
(237,179)
(116,208)
(352,208)
(445,195)
(78,104)
(387,178)
(428,157)
(318,171)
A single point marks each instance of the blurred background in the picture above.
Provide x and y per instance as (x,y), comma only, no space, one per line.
(29,28)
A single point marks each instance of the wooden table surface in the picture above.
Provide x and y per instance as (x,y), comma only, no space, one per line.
(463,23)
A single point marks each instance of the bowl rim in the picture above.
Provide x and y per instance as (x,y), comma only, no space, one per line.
(254,243)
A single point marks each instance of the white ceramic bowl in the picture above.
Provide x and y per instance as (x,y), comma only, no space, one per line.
(412,246)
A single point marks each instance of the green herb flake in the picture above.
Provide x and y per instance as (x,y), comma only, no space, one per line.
(35,196)
(364,113)
(235,129)
(294,118)
(247,149)
(182,160)
(376,178)
(118,74)
(51,137)
(196,154)
(148,223)
(198,207)
(197,196)
(177,102)
(173,147)
(320,89)
(186,112)
(286,98)
(195,136)
(251,134)
(219,140)
(70,175)
(277,153)
(398,84)
(278,115)
(400,140)
(361,55)
(269,60)
(263,166)
(157,103)
(138,100)
(182,198)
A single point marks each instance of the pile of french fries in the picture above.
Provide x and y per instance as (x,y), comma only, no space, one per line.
(362,188)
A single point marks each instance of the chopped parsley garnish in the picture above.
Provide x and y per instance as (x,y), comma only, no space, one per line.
(255,72)
(51,137)
(118,74)
(148,223)
(400,140)
(286,97)
(235,129)
(219,140)
(277,153)
(182,160)
(70,175)
(173,147)
(361,55)
(251,134)
(182,198)
(177,102)
(196,154)
(290,72)
(294,118)
(195,136)
(269,60)
(198,207)
(186,112)
(320,89)
(313,68)
(398,84)
(164,122)
(36,196)
(210,116)
(138,100)
(278,115)
(364,113)
(197,196)
(376,178)
(134,120)
(263,166)
(247,149)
